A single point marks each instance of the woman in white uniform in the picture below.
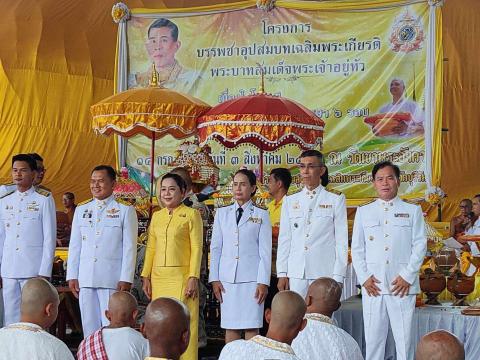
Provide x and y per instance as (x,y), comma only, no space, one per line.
(240,259)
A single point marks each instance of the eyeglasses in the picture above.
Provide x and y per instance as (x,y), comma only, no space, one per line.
(309,167)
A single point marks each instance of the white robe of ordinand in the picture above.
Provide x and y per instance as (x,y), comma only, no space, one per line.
(474,230)
(323,339)
(388,241)
(29,341)
(125,343)
(258,348)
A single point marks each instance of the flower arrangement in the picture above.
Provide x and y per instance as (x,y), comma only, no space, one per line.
(434,195)
(120,12)
(266,5)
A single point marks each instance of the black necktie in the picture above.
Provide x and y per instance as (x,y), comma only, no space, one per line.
(239,214)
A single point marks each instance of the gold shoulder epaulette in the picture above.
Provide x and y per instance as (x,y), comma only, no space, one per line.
(85,202)
(410,201)
(223,205)
(8,184)
(123,202)
(43,192)
(259,206)
(44,188)
(368,202)
(7,193)
(333,191)
(297,190)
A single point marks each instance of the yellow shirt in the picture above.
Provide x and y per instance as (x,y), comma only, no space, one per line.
(175,241)
(274,211)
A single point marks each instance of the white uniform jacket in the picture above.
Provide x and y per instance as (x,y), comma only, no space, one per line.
(389,240)
(313,239)
(103,248)
(243,252)
(27,234)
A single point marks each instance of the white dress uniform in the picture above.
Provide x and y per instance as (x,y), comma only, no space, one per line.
(258,347)
(322,339)
(388,240)
(102,252)
(7,188)
(27,243)
(313,239)
(240,257)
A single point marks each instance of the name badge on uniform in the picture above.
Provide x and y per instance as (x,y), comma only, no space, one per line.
(402,215)
(255,220)
(325,206)
(87,214)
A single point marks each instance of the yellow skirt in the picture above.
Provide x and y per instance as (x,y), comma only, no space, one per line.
(171,282)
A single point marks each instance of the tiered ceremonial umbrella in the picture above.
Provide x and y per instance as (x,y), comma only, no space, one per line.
(153,112)
(264,120)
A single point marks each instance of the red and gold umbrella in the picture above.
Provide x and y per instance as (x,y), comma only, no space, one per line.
(153,112)
(265,120)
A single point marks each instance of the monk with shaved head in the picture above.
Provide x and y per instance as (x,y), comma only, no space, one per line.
(167,327)
(285,319)
(28,339)
(440,345)
(322,338)
(117,340)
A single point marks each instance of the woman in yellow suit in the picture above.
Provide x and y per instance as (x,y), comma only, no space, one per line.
(174,251)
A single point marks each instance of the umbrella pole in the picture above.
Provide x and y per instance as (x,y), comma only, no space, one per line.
(261,166)
(152,175)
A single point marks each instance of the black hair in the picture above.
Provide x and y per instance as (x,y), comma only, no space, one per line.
(162,22)
(252,179)
(110,171)
(315,153)
(32,164)
(36,157)
(283,175)
(69,195)
(178,180)
(384,164)
(477,196)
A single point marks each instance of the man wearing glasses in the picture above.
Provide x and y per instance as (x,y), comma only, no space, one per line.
(313,239)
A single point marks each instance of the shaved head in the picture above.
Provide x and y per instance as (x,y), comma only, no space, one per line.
(288,310)
(440,345)
(36,294)
(122,309)
(167,327)
(39,304)
(323,296)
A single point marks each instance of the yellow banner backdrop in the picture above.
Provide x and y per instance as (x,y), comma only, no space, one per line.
(362,70)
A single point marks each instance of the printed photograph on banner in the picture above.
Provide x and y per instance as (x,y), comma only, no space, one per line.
(367,83)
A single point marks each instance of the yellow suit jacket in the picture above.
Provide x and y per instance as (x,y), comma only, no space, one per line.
(175,240)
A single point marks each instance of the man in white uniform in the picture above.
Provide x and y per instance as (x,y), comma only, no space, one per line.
(102,251)
(322,338)
(388,247)
(285,320)
(27,234)
(27,339)
(313,239)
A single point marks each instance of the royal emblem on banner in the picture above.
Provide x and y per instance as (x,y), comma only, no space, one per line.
(407,33)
